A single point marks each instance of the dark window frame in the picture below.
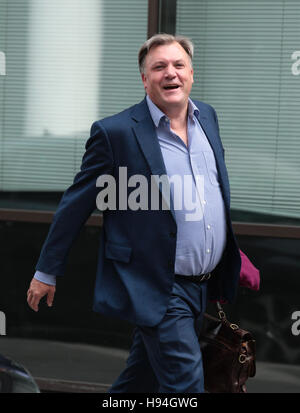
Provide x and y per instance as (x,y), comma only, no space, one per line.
(161,16)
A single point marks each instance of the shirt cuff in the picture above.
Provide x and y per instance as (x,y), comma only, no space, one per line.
(45,278)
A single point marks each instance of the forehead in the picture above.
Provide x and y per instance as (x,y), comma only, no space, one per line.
(170,51)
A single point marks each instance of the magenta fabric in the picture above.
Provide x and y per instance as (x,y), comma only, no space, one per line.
(249,275)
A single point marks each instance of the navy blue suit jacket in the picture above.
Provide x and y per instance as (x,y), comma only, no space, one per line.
(135,270)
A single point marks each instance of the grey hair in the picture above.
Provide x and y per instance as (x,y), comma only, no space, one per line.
(162,39)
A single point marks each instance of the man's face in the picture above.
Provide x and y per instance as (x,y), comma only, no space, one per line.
(168,76)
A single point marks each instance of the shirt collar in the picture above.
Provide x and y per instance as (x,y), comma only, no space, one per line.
(157,114)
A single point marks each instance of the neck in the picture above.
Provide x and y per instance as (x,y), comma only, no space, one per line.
(178,119)
(176,114)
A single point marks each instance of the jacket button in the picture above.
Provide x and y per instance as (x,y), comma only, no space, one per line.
(173,234)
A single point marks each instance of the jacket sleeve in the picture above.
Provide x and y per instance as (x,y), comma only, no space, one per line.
(77,203)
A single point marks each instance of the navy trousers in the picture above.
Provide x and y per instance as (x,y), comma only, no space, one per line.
(167,358)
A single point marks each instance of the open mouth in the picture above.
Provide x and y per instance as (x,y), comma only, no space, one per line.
(171,87)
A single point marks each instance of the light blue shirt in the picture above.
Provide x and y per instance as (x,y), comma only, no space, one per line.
(200,242)
(199,209)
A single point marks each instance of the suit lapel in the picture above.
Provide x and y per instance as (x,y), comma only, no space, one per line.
(146,136)
(145,133)
(214,141)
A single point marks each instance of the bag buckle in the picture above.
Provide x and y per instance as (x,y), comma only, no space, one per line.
(242,358)
(222,315)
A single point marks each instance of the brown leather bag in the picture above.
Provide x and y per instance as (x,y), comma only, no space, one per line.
(228,354)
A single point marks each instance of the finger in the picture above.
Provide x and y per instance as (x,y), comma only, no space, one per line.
(32,304)
(29,297)
(33,301)
(50,298)
(35,304)
(29,292)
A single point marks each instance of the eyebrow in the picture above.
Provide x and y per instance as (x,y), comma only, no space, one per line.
(164,62)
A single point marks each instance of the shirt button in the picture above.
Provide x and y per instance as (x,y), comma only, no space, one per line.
(204,202)
(208,226)
(208,250)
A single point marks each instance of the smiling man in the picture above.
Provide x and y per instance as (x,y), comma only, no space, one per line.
(156,268)
(168,77)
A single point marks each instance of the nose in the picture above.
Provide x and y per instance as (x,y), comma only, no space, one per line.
(170,72)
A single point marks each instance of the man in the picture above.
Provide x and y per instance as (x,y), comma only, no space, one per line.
(156,265)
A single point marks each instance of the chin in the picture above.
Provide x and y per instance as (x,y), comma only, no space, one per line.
(175,101)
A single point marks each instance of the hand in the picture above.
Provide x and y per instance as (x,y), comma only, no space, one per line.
(36,291)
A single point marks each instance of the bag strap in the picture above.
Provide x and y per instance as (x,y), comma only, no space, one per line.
(223,318)
(220,311)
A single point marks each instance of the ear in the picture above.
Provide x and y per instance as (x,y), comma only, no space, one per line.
(144,80)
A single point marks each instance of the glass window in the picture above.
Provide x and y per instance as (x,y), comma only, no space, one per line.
(68,63)
(246,67)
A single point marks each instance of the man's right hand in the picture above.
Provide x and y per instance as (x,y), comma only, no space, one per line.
(36,291)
